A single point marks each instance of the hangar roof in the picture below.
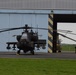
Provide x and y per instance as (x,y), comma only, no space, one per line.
(38,4)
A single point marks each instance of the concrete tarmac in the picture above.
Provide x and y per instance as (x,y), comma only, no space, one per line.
(63,55)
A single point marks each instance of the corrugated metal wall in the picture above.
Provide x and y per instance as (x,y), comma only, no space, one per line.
(38,4)
(16,20)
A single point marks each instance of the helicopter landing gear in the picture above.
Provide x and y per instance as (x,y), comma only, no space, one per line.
(18,52)
(32,52)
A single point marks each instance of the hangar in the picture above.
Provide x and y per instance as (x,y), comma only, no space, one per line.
(44,13)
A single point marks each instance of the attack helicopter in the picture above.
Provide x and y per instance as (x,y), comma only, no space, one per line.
(59,41)
(27,41)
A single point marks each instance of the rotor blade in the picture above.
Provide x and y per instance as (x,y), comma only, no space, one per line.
(66,31)
(63,30)
(26,27)
(11,29)
(72,33)
(53,30)
(40,28)
(4,28)
(69,33)
(67,37)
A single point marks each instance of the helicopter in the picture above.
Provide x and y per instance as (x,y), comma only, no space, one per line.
(27,41)
(59,41)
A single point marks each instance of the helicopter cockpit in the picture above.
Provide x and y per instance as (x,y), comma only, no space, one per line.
(24,36)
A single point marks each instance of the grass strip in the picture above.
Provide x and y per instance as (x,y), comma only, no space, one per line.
(10,66)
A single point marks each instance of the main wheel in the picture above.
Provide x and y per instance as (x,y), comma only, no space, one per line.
(18,52)
(32,52)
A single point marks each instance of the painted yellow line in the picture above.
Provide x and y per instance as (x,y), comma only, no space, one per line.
(50,43)
(51,15)
(49,35)
(49,20)
(50,51)
(50,28)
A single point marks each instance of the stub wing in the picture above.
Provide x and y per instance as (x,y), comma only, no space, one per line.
(40,43)
(11,43)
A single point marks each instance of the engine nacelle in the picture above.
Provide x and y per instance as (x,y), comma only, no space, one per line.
(18,37)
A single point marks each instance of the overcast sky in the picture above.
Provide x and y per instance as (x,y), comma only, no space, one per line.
(68,26)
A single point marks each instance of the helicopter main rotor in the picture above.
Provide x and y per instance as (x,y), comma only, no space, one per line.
(26,27)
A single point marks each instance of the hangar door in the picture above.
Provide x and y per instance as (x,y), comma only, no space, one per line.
(16,20)
(61,18)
